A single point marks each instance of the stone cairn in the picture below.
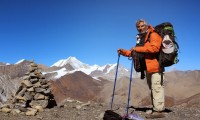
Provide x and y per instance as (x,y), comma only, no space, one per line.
(32,96)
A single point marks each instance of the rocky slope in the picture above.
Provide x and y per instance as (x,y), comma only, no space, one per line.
(75,110)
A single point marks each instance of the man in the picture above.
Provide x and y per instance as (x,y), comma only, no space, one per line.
(152,43)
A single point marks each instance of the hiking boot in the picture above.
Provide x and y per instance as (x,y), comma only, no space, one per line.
(155,115)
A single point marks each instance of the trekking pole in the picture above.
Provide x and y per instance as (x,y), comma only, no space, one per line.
(115,81)
(129,91)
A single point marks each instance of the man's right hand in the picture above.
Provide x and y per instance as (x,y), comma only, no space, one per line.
(119,51)
(124,52)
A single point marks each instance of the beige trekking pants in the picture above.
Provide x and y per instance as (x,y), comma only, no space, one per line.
(157,91)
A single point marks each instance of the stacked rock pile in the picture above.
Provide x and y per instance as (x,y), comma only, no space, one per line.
(32,96)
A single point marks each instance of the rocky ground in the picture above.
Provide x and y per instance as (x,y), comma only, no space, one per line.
(75,110)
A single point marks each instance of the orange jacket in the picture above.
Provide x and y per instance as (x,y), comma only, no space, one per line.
(150,47)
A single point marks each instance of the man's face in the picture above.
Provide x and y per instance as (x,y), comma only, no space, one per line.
(141,27)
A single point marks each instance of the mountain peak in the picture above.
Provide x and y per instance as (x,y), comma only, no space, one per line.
(73,61)
(20,61)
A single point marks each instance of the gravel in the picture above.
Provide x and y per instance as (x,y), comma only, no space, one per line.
(95,111)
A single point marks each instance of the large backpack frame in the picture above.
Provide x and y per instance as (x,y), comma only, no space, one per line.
(168,54)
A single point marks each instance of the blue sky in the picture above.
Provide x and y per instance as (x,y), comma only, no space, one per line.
(92,30)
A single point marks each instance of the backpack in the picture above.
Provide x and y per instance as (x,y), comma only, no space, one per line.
(168,54)
(111,115)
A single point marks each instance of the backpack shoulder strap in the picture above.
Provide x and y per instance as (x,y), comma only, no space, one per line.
(150,30)
(149,34)
(148,37)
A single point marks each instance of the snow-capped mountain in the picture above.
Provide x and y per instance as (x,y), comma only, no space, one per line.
(106,71)
(2,63)
(20,61)
(75,63)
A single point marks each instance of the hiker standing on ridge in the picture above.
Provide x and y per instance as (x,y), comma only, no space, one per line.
(152,43)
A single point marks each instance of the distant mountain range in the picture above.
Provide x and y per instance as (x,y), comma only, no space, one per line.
(72,64)
(72,78)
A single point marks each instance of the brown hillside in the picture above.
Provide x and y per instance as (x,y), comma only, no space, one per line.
(77,86)
(15,70)
(193,101)
(182,84)
(179,85)
(139,91)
